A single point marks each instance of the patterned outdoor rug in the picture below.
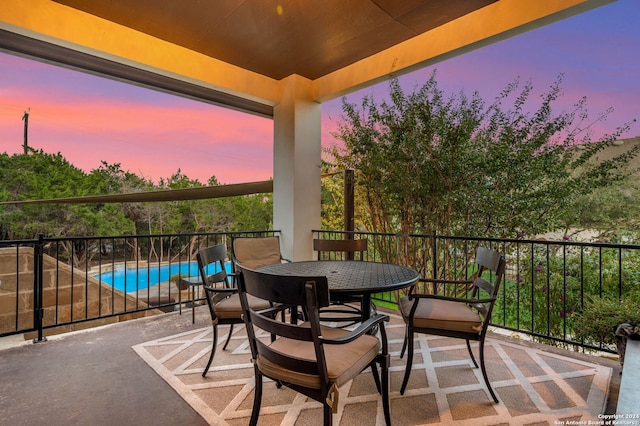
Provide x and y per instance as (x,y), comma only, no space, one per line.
(534,387)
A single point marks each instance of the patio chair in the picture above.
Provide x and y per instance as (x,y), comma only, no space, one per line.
(345,310)
(348,247)
(221,294)
(256,252)
(453,315)
(307,357)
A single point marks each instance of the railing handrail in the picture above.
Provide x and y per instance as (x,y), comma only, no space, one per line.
(537,314)
(36,317)
(545,319)
(487,239)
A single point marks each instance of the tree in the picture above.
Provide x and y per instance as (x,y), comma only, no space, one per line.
(38,175)
(111,179)
(456,166)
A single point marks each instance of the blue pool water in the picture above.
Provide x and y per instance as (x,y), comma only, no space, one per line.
(138,279)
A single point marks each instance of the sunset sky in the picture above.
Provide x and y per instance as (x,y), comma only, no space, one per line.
(89,119)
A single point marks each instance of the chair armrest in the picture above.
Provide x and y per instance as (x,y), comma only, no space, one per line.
(220,292)
(453,299)
(222,289)
(439,281)
(234,277)
(489,300)
(375,320)
(274,310)
(436,281)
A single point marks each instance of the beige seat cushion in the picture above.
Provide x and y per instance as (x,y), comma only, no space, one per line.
(344,362)
(442,314)
(230,307)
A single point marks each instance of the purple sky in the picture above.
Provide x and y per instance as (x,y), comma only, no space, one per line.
(89,119)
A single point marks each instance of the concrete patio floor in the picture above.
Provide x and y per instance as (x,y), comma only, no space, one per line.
(94,377)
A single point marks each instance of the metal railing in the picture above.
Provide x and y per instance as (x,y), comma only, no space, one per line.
(65,283)
(545,282)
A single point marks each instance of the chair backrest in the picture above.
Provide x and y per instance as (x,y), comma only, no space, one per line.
(347,247)
(286,292)
(211,264)
(256,252)
(492,262)
(213,274)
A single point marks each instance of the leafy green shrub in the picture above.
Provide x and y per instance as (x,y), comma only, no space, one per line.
(597,322)
(555,281)
(545,291)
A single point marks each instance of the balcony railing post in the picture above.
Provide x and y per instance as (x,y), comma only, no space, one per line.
(349,206)
(349,202)
(38,288)
(434,255)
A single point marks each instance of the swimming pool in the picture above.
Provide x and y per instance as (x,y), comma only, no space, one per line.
(133,279)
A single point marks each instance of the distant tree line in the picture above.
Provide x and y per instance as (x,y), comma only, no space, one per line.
(39,175)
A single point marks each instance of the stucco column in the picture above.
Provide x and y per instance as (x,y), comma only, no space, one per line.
(296,168)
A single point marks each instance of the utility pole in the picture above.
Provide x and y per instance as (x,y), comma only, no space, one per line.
(25,118)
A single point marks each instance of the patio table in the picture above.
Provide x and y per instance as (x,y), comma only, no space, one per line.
(350,277)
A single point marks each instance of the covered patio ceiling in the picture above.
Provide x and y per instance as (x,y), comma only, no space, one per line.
(236,52)
(278,39)
(275,58)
